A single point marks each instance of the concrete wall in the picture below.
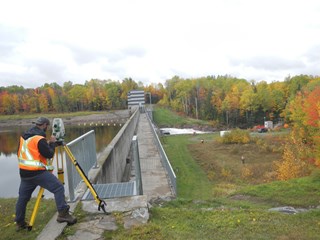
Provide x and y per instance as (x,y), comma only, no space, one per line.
(112,161)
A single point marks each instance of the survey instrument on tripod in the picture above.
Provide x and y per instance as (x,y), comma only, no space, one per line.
(59,133)
(61,150)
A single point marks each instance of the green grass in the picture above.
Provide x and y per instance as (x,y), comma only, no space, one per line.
(301,192)
(216,204)
(177,223)
(47,209)
(165,117)
(191,179)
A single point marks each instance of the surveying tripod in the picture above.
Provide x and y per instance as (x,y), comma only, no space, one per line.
(60,149)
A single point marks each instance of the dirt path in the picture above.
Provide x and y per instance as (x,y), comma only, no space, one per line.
(114,116)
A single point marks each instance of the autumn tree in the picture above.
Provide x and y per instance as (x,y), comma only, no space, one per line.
(249,103)
(113,95)
(8,105)
(95,94)
(204,93)
(311,107)
(264,99)
(302,147)
(279,96)
(157,92)
(296,84)
(77,98)
(292,165)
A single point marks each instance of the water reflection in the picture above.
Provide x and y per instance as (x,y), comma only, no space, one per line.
(9,172)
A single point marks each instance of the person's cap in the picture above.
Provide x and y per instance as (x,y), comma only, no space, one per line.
(41,120)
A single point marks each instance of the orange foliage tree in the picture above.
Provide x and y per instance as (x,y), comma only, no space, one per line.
(311,107)
(303,145)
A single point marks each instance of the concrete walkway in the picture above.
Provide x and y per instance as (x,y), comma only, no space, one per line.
(155,185)
(154,178)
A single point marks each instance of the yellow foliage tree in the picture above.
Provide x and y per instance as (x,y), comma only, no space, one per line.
(291,165)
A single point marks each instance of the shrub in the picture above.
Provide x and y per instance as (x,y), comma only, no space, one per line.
(291,166)
(246,173)
(236,136)
(226,174)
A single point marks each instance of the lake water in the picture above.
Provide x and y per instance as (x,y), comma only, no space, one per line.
(9,138)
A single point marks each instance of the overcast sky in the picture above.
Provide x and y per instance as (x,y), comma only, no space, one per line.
(153,40)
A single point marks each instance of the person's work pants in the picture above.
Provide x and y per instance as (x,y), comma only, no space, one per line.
(46,180)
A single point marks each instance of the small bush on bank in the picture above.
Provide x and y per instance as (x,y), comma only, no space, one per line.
(236,136)
(291,166)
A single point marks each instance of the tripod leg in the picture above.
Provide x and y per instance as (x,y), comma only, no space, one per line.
(60,168)
(36,208)
(100,202)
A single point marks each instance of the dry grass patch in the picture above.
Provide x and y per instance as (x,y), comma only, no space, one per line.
(249,163)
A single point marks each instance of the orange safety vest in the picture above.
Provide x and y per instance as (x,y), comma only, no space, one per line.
(30,157)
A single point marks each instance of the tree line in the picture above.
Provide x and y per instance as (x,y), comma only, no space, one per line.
(94,95)
(235,102)
(223,100)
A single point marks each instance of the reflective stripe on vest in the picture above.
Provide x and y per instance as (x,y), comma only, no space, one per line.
(27,160)
(36,164)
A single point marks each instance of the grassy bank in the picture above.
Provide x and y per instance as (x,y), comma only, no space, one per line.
(164,118)
(220,197)
(228,206)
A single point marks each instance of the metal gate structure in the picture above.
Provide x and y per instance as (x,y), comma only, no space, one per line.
(84,151)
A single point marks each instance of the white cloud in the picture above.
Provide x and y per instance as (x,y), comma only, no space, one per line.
(151,41)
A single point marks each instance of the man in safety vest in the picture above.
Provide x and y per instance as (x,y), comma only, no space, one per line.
(34,155)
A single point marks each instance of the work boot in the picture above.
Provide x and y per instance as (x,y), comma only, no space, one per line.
(22,226)
(64,216)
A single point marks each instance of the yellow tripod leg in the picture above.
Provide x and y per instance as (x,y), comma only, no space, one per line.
(83,176)
(100,202)
(36,208)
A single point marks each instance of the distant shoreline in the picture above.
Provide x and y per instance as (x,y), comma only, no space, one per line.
(114,116)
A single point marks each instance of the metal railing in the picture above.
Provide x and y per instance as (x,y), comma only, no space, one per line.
(163,155)
(136,160)
(150,113)
(83,149)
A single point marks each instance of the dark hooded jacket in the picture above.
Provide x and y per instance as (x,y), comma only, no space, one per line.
(45,149)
